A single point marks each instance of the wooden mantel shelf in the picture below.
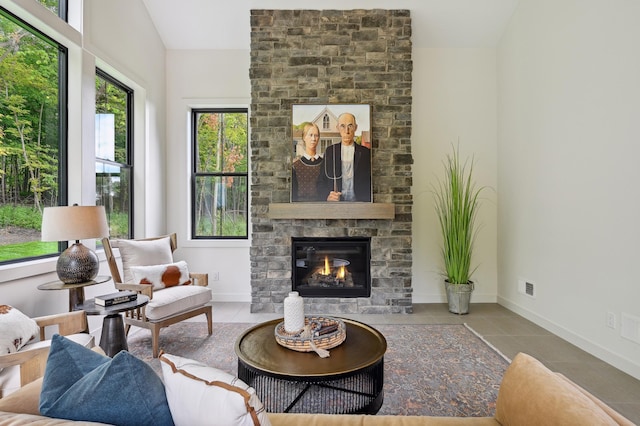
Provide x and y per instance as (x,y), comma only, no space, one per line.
(338,210)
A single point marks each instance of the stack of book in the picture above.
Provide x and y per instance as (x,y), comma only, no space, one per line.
(116,298)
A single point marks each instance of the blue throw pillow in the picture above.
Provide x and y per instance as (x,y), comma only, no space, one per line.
(80,384)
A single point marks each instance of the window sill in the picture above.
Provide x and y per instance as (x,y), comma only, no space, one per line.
(16,271)
(32,268)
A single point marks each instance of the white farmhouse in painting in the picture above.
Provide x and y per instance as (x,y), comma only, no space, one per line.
(327,122)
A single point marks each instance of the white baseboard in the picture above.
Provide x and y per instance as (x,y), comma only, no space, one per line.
(628,366)
(442,298)
(231,297)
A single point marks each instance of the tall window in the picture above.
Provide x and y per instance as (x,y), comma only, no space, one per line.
(220,174)
(59,7)
(114,165)
(32,137)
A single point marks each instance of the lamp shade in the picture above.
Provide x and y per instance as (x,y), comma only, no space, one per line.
(77,264)
(74,223)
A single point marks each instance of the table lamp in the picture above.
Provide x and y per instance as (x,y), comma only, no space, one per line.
(78,263)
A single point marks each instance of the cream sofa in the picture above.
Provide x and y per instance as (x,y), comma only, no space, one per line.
(530,394)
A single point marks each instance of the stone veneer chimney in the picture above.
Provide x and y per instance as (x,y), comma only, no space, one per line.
(331,57)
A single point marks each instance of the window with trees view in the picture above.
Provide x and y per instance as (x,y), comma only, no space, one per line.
(59,7)
(113,140)
(220,174)
(32,137)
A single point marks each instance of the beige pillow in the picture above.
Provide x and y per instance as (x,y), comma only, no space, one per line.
(202,395)
(143,253)
(162,276)
(16,329)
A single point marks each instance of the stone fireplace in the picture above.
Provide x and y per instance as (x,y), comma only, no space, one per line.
(328,57)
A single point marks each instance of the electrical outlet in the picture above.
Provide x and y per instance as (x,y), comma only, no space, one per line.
(215,276)
(611,320)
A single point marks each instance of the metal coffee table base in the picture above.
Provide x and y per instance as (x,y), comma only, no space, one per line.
(349,381)
(358,393)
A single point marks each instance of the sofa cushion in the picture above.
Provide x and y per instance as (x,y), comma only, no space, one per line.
(16,329)
(297,419)
(26,400)
(173,300)
(13,419)
(162,276)
(203,395)
(531,394)
(143,253)
(80,384)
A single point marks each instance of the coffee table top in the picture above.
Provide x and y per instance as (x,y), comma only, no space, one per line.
(257,348)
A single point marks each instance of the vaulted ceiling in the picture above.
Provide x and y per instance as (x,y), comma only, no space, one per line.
(217,24)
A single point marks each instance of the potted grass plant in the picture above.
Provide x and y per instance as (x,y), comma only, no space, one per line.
(456,204)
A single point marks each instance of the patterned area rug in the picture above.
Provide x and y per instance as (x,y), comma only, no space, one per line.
(435,370)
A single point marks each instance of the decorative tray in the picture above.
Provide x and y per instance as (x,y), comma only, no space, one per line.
(321,332)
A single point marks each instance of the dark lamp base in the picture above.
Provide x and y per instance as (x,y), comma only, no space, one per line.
(77,264)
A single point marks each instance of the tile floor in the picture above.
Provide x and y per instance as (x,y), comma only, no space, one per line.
(510,334)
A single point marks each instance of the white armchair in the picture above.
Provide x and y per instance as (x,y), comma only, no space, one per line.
(148,268)
(20,368)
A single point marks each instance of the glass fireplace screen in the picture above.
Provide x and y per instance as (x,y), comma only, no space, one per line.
(331,267)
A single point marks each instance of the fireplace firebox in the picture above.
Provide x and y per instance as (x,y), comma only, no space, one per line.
(331,267)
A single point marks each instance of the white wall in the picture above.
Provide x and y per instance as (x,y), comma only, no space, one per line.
(125,41)
(200,79)
(454,105)
(119,38)
(569,102)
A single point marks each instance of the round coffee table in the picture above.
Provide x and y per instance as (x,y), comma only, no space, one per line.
(349,381)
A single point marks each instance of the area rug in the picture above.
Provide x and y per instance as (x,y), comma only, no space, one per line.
(433,370)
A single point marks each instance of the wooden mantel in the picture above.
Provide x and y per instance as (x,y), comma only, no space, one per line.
(338,210)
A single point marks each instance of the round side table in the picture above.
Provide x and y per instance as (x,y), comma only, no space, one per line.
(76,291)
(113,338)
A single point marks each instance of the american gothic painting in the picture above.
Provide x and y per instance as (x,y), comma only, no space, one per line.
(331,153)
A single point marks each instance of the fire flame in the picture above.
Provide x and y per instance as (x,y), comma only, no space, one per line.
(327,269)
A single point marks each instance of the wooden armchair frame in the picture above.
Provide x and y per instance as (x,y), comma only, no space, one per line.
(137,317)
(32,362)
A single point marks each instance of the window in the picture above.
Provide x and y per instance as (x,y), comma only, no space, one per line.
(220,174)
(32,137)
(325,122)
(114,165)
(59,7)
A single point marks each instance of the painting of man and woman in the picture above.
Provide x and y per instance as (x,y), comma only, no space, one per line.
(331,153)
